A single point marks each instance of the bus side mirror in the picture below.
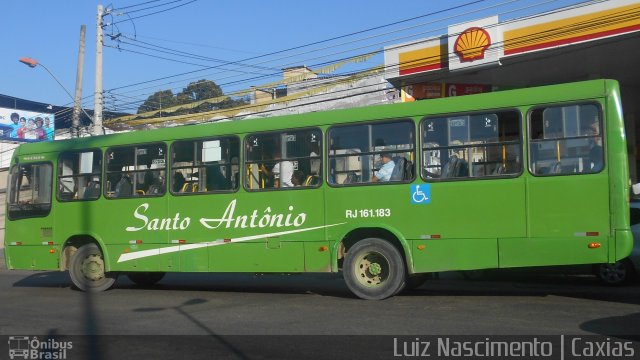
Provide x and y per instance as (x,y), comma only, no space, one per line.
(635,188)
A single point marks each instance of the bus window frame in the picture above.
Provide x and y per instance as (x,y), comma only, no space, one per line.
(169,182)
(372,122)
(603,136)
(102,169)
(320,157)
(521,140)
(8,212)
(105,164)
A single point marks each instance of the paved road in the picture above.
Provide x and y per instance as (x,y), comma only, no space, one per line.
(214,304)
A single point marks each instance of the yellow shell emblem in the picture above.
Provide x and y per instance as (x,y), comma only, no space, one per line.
(472,43)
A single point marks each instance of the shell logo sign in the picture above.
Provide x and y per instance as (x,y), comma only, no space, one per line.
(471,44)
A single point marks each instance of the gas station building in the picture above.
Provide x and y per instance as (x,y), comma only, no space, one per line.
(596,40)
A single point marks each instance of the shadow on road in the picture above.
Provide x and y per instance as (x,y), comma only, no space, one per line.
(220,340)
(611,326)
(447,284)
(45,279)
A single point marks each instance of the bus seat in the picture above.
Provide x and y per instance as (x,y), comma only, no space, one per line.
(311,180)
(449,168)
(185,187)
(462,170)
(92,191)
(456,167)
(124,188)
(499,170)
(352,177)
(398,173)
(556,168)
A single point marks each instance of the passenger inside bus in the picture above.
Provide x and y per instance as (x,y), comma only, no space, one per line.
(124,188)
(282,172)
(386,168)
(178,181)
(298,178)
(595,149)
(215,179)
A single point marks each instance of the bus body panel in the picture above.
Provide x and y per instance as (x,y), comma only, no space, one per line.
(619,182)
(454,254)
(521,220)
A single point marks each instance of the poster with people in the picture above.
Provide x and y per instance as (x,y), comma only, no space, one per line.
(26,126)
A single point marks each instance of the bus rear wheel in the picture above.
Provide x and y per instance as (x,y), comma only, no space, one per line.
(87,270)
(145,278)
(374,269)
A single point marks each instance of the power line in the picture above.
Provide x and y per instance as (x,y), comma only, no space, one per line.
(147,8)
(364,47)
(136,5)
(371,45)
(154,13)
(300,46)
(574,28)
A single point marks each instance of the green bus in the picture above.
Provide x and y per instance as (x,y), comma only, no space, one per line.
(383,194)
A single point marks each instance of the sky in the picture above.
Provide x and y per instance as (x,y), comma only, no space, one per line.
(237,44)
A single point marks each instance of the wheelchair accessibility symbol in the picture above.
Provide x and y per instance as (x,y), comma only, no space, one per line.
(421,194)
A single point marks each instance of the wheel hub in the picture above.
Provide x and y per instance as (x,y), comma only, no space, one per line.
(93,267)
(372,269)
(375,269)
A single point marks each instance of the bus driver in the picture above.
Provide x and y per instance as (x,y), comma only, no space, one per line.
(385,171)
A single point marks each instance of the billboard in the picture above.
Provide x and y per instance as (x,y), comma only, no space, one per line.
(26,126)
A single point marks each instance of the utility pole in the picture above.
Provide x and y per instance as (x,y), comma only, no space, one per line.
(75,117)
(97,108)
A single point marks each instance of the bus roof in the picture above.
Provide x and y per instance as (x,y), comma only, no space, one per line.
(501,99)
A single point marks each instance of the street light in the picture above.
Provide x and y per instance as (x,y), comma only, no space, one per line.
(33,63)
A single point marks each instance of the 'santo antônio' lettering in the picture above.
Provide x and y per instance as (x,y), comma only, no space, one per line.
(229,219)
(256,219)
(175,223)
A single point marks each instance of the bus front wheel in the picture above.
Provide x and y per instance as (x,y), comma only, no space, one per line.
(87,270)
(374,269)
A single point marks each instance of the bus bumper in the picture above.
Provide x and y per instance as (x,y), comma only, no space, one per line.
(624,244)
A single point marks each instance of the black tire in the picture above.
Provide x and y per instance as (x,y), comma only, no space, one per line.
(374,269)
(415,281)
(87,270)
(618,273)
(145,278)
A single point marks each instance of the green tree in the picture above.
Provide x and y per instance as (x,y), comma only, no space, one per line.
(199,90)
(158,101)
(195,91)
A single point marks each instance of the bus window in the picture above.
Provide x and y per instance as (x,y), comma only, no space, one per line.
(471,146)
(286,159)
(136,171)
(79,175)
(566,140)
(29,191)
(374,152)
(205,165)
